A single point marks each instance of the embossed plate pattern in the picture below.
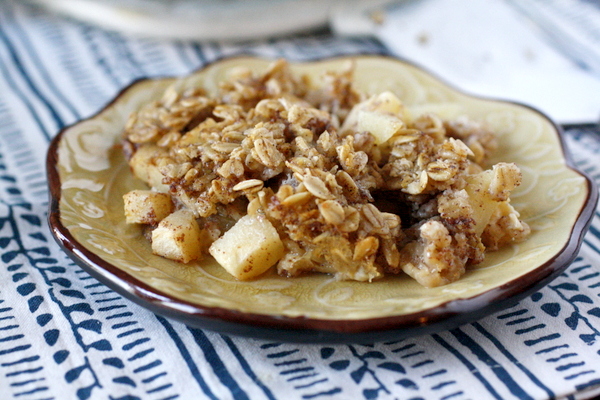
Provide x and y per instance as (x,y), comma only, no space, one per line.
(88,176)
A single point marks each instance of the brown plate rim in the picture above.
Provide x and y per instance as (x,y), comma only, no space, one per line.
(314,330)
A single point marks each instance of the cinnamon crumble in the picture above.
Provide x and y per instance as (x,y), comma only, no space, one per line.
(353,186)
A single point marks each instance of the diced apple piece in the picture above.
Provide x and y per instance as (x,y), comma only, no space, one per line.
(489,190)
(480,199)
(177,237)
(382,126)
(143,166)
(380,115)
(146,207)
(386,102)
(248,248)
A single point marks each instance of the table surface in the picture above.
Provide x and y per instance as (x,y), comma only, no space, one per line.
(63,335)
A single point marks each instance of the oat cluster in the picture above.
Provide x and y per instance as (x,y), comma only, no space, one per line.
(353,186)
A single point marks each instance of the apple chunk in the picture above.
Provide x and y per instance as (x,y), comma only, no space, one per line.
(381,115)
(249,248)
(489,190)
(144,167)
(146,207)
(177,237)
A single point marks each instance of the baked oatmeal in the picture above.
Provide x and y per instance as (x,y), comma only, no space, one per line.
(279,171)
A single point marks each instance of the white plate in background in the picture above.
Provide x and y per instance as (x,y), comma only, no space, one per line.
(198,19)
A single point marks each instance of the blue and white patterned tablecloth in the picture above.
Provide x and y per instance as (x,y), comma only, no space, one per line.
(63,335)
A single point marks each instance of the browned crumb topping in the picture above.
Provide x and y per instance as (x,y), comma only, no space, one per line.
(355,186)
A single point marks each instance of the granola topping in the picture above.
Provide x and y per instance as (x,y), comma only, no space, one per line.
(353,185)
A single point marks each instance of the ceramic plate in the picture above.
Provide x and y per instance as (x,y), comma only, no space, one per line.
(88,176)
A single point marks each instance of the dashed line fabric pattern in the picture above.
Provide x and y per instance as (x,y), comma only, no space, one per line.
(64,335)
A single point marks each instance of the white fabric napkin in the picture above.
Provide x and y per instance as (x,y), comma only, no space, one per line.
(64,335)
(542,53)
